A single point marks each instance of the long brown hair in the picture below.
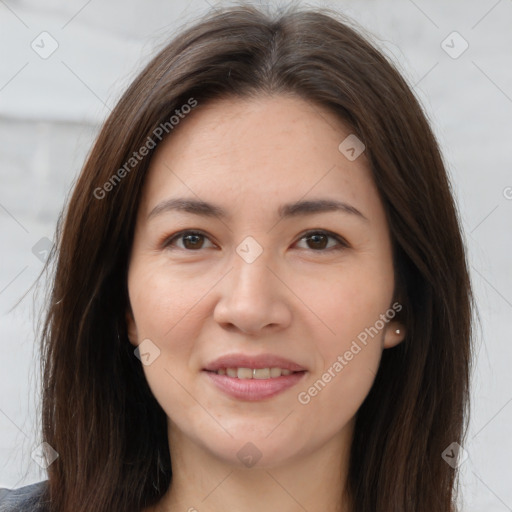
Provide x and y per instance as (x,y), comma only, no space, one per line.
(98,412)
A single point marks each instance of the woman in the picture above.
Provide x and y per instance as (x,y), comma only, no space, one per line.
(261,298)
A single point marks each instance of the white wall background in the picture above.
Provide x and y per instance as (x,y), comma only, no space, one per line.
(50,111)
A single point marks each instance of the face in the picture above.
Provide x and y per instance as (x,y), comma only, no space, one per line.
(250,277)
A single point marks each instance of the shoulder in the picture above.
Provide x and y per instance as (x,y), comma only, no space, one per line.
(24,499)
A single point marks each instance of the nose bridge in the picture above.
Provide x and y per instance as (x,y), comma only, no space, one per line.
(251,296)
(251,277)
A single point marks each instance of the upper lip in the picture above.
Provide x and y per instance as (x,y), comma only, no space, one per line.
(255,361)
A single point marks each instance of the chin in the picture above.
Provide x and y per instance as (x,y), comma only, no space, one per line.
(254,449)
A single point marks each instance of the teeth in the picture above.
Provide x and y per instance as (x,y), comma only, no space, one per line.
(244,373)
(261,373)
(253,373)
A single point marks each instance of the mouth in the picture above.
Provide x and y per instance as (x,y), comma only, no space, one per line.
(253,377)
(255,373)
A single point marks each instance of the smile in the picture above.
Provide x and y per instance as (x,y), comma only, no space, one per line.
(254,373)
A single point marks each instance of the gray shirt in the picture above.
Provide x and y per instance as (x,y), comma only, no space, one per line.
(24,499)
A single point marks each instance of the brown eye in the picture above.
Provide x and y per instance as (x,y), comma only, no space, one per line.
(192,240)
(318,241)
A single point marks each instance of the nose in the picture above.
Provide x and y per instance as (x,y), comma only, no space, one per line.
(253,297)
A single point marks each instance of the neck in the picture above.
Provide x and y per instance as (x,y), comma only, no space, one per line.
(310,481)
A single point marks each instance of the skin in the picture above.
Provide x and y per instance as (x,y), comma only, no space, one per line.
(299,299)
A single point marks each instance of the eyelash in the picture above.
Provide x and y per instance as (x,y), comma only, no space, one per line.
(342,243)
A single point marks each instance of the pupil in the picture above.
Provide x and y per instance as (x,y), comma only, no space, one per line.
(315,239)
(188,237)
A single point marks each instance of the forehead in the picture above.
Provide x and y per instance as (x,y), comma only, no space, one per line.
(258,151)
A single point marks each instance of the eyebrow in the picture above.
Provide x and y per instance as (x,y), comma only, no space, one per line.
(299,208)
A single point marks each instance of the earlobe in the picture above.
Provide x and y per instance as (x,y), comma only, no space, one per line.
(394,334)
(131,328)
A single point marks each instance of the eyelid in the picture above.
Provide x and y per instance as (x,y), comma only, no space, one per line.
(167,240)
(341,241)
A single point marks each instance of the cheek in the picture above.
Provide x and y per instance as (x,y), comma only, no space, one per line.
(165,312)
(331,400)
(350,356)
(353,302)
(163,302)
(352,309)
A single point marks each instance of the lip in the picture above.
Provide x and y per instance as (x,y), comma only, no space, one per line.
(254,389)
(256,361)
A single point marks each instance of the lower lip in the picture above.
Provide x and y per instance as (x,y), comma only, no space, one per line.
(254,389)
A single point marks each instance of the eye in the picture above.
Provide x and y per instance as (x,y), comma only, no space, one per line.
(192,240)
(319,240)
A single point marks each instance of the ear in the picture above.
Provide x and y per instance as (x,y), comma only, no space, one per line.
(394,334)
(131,328)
